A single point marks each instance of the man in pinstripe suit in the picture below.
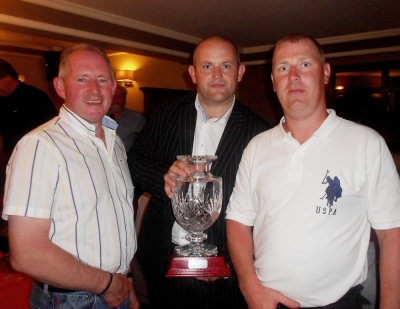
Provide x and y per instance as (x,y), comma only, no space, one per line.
(211,122)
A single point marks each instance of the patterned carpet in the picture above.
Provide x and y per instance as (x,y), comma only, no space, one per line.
(14,286)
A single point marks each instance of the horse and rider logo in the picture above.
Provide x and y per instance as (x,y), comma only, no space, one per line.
(333,191)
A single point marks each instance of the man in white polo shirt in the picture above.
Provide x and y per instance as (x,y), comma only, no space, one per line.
(68,196)
(311,188)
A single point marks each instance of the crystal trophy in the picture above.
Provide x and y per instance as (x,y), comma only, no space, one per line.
(196,203)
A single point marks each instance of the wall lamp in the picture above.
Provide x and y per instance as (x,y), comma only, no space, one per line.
(125,76)
(22,77)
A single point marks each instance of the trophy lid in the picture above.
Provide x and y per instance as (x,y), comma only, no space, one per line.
(202,164)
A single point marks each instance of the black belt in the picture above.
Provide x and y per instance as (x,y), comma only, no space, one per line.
(346,297)
(54,289)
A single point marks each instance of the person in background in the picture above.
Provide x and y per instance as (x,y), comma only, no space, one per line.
(22,107)
(207,123)
(306,195)
(130,123)
(68,195)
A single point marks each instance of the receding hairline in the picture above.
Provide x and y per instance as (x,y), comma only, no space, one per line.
(220,39)
(64,58)
(298,37)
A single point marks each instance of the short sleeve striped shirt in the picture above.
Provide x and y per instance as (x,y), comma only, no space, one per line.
(62,171)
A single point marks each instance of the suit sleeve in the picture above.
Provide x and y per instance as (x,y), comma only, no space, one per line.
(145,161)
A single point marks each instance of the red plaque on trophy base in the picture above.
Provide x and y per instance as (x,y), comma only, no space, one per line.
(184,267)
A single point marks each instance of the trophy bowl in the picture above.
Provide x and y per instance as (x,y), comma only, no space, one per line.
(196,204)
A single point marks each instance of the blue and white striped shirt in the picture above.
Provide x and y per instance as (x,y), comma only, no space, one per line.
(62,171)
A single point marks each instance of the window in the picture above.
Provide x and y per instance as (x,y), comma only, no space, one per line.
(369,95)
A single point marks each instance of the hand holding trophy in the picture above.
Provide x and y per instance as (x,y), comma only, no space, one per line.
(196,203)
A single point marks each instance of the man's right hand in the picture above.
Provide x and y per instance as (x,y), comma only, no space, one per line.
(261,297)
(30,245)
(178,168)
(118,291)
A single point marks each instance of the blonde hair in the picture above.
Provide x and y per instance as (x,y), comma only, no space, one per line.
(297,37)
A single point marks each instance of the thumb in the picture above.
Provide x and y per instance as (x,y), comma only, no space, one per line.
(288,303)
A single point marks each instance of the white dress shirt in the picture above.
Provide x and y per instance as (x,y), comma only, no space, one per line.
(206,139)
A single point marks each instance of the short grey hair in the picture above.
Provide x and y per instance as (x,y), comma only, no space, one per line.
(63,67)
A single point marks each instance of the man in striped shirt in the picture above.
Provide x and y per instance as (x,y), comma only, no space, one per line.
(69,195)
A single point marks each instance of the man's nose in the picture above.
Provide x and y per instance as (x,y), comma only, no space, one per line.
(93,86)
(294,74)
(216,73)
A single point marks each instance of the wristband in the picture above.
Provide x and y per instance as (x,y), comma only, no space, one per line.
(108,284)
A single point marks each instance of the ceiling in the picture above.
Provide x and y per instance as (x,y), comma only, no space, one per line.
(171,29)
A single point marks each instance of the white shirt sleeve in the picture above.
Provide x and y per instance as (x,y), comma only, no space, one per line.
(241,207)
(383,187)
(32,177)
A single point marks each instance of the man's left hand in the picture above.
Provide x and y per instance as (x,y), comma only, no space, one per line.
(208,279)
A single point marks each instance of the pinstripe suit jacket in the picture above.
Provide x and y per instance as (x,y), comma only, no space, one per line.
(170,133)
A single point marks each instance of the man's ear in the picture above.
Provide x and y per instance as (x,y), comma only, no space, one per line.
(59,86)
(114,86)
(327,73)
(192,73)
(242,69)
(273,84)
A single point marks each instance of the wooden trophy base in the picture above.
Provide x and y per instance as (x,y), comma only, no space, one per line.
(184,267)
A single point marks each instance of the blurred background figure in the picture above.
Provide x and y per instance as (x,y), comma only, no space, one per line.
(130,123)
(22,108)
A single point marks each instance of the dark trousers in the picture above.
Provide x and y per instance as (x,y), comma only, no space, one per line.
(194,294)
(351,300)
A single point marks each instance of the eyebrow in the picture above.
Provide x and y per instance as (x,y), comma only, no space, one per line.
(98,76)
(306,58)
(301,58)
(223,62)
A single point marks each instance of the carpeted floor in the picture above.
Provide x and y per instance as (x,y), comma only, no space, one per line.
(15,287)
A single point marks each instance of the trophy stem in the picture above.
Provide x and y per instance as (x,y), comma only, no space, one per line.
(196,246)
(196,238)
(199,250)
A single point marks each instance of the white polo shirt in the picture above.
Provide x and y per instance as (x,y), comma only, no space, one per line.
(311,232)
(63,172)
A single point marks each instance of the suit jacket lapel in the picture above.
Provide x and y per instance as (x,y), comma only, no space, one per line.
(230,139)
(187,126)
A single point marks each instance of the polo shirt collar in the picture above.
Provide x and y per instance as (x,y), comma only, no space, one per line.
(324,131)
(328,126)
